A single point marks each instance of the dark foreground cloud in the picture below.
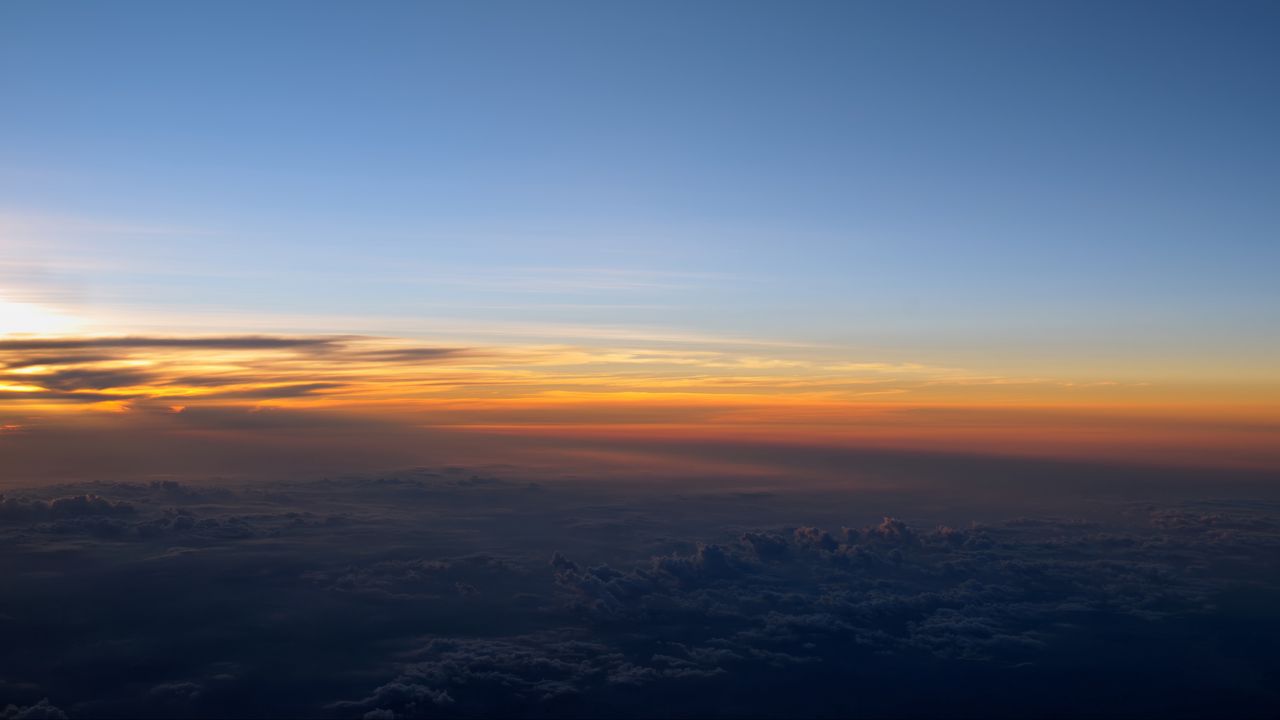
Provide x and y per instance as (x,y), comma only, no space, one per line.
(39,711)
(440,592)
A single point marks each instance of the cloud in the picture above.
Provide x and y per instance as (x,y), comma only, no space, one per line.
(276,391)
(74,379)
(204,369)
(240,342)
(816,623)
(421,577)
(637,389)
(450,592)
(416,354)
(40,711)
(75,506)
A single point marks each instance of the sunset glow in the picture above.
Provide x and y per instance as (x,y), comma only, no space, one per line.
(647,393)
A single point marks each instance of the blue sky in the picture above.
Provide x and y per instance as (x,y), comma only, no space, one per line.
(1089,181)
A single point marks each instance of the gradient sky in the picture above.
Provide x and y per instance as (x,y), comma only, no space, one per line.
(779,215)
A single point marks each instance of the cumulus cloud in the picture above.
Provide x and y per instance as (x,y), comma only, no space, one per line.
(22,509)
(444,592)
(39,711)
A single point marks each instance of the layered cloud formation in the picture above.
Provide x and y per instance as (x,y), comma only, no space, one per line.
(628,393)
(443,593)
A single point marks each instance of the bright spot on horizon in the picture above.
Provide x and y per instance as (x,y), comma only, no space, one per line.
(20,318)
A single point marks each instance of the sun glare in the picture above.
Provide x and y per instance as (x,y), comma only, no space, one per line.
(31,319)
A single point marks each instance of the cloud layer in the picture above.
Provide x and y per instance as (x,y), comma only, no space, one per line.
(448,593)
(639,392)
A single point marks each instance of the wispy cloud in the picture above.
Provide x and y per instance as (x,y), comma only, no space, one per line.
(402,374)
(634,391)
(572,280)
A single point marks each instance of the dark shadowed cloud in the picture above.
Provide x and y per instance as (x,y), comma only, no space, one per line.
(446,592)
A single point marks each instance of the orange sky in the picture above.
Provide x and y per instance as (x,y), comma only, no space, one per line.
(625,393)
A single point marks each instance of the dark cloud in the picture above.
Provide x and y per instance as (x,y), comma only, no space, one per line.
(39,711)
(79,396)
(21,509)
(420,577)
(82,379)
(16,362)
(456,593)
(175,370)
(276,391)
(418,354)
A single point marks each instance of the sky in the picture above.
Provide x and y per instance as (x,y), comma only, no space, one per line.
(1030,228)
(869,359)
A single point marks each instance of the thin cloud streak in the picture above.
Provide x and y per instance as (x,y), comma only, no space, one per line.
(227,342)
